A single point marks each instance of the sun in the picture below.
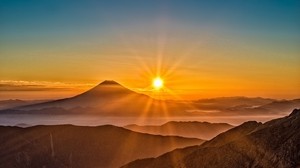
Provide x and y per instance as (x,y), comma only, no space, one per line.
(157,83)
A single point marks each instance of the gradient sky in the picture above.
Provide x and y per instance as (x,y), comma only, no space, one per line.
(58,48)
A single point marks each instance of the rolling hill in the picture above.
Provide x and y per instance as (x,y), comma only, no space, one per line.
(80,146)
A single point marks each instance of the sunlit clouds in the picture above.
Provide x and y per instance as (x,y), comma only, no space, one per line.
(12,89)
(11,85)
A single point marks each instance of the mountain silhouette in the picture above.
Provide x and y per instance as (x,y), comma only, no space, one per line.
(80,146)
(252,144)
(107,98)
(107,91)
(201,130)
(110,98)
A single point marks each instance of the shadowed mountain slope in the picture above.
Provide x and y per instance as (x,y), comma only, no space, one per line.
(77,146)
(272,144)
(13,103)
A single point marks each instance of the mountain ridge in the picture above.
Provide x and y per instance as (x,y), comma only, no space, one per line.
(272,144)
(202,130)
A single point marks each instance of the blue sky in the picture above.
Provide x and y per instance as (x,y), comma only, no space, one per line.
(19,17)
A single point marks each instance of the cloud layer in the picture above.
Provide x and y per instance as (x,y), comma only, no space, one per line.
(12,85)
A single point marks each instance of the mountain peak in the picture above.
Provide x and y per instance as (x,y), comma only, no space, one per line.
(107,88)
(109,82)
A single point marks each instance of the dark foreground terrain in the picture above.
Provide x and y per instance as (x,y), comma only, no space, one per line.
(66,146)
(273,144)
(252,144)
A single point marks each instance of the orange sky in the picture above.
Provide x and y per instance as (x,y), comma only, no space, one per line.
(200,49)
(190,70)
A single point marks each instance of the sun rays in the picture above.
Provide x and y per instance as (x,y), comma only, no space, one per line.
(159,71)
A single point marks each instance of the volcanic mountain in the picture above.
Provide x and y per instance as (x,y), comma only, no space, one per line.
(252,144)
(107,98)
(103,93)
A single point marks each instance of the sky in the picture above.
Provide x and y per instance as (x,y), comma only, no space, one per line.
(201,49)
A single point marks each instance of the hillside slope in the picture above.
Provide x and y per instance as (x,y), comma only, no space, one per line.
(77,146)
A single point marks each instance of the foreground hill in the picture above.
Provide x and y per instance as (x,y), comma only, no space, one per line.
(272,144)
(201,130)
(77,146)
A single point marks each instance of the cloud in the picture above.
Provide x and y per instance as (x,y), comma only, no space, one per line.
(8,87)
(12,85)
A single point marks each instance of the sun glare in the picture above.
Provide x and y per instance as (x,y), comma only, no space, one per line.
(158,83)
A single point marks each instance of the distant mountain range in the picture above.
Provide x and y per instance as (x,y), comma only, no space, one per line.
(64,146)
(273,144)
(201,130)
(109,98)
(13,103)
(225,102)
(236,106)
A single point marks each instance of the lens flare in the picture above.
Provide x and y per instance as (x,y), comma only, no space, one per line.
(158,83)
